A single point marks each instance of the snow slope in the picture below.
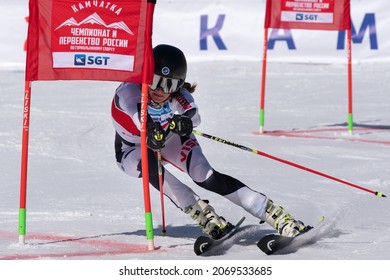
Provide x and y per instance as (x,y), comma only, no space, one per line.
(80,206)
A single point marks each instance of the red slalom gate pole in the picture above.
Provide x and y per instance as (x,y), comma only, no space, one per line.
(350,111)
(263,80)
(147,70)
(24,162)
(223,141)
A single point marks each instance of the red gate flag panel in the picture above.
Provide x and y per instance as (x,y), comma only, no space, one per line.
(308,14)
(87,40)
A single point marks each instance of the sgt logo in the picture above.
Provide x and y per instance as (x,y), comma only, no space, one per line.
(79,59)
(299,17)
(83,59)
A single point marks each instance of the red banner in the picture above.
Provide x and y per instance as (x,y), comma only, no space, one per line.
(88,40)
(308,14)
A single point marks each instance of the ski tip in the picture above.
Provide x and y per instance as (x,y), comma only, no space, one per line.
(272,243)
(202,244)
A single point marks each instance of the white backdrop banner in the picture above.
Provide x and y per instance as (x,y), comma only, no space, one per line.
(231,30)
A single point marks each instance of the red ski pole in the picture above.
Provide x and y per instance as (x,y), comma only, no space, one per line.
(223,141)
(161,186)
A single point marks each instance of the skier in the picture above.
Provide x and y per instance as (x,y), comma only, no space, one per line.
(172,114)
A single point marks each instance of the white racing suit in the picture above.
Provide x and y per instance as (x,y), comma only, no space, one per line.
(184,153)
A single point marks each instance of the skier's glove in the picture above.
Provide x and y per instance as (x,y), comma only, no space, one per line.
(181,124)
(156,136)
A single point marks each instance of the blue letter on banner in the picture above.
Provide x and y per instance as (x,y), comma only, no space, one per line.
(368,22)
(287,36)
(214,32)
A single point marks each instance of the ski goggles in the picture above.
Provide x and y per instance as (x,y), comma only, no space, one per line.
(168,85)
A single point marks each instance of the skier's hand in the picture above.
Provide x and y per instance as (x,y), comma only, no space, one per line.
(156,136)
(181,124)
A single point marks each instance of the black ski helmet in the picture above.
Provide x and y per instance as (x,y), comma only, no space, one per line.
(170,63)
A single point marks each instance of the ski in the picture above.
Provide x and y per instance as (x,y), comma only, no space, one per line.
(272,243)
(205,244)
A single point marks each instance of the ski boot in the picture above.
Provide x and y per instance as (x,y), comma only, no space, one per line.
(282,221)
(210,223)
